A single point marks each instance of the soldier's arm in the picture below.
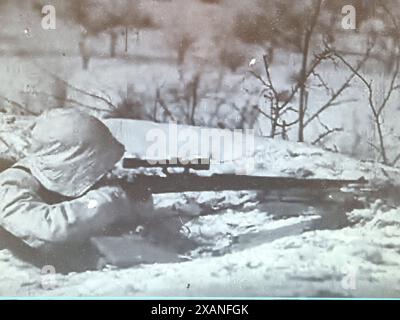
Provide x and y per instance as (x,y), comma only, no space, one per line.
(25,215)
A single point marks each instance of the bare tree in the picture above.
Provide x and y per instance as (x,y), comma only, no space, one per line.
(309,30)
(95,18)
(278,101)
(377,108)
(282,102)
(181,42)
(306,20)
(289,108)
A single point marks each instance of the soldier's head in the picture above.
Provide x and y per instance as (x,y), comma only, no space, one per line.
(71,151)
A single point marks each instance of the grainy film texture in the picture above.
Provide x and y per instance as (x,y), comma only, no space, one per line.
(189,148)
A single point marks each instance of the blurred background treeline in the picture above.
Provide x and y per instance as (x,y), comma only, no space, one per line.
(287,69)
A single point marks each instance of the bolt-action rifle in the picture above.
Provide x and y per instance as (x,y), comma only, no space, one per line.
(186,181)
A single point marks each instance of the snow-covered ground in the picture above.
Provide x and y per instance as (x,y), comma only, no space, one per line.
(255,245)
(358,261)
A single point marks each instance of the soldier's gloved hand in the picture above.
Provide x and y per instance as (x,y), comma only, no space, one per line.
(121,202)
(133,192)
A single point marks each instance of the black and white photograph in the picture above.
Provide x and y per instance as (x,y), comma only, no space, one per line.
(200,149)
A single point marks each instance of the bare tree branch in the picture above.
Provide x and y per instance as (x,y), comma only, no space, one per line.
(163,105)
(18,105)
(325,134)
(396,159)
(344,86)
(68,85)
(69,100)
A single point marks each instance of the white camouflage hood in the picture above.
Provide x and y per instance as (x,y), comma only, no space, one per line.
(71,151)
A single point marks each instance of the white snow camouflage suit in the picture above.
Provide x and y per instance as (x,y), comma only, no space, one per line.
(50,199)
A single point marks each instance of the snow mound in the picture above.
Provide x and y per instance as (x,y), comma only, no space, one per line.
(271,157)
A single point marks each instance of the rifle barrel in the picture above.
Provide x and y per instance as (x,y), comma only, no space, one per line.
(220,182)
